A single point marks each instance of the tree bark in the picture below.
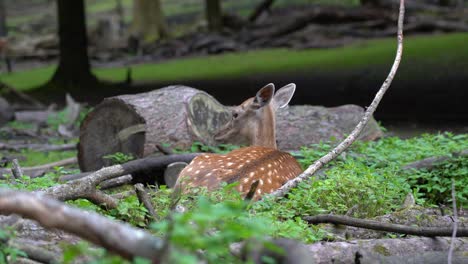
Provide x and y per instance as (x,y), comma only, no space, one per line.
(74,68)
(213,15)
(148,20)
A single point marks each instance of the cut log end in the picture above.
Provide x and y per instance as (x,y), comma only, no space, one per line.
(205,116)
(137,124)
(113,126)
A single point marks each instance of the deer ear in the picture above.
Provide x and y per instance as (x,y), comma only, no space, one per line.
(283,96)
(265,95)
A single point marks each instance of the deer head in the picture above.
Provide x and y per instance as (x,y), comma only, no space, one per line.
(253,122)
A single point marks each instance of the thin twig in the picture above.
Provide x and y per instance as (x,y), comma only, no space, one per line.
(376,225)
(360,126)
(455,224)
(145,199)
(16,170)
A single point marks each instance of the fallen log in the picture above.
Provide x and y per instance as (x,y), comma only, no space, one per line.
(150,166)
(138,124)
(388,250)
(318,15)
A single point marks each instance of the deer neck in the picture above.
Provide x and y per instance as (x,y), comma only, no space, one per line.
(266,131)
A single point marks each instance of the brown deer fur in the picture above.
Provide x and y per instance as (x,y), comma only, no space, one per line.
(252,123)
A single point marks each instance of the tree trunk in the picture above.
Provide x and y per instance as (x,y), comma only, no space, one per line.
(148,20)
(74,68)
(213,15)
(3,14)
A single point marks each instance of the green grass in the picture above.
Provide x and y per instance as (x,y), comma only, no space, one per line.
(28,79)
(439,51)
(35,158)
(369,179)
(104,6)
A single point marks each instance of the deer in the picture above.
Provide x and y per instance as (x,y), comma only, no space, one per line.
(260,168)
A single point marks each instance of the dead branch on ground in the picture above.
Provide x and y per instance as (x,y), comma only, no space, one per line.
(145,199)
(119,238)
(376,225)
(431,162)
(360,126)
(86,187)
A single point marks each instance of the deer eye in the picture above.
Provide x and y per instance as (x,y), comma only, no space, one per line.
(235,115)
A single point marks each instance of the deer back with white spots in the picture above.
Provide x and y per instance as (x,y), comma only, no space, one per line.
(252,123)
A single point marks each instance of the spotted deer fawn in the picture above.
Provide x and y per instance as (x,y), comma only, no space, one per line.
(261,164)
